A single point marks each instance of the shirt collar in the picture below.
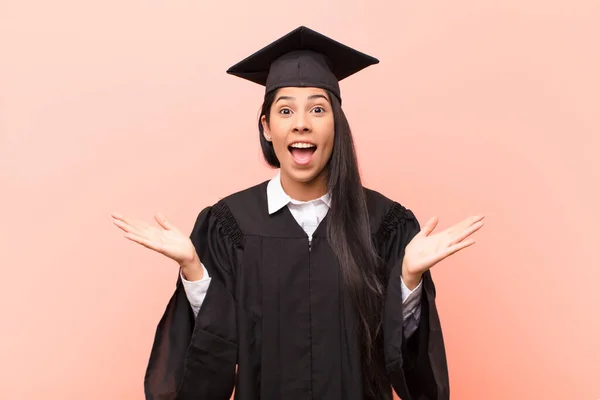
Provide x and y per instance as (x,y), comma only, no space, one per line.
(277,198)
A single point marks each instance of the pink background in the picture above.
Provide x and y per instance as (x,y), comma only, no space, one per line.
(476,107)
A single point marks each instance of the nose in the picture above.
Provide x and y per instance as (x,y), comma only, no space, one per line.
(302,123)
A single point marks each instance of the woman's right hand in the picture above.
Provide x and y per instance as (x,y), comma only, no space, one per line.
(165,239)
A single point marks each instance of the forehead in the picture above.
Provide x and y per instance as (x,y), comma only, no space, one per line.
(300,93)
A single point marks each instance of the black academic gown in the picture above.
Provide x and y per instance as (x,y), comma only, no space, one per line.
(275,309)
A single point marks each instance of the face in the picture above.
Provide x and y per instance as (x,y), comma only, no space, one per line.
(301,128)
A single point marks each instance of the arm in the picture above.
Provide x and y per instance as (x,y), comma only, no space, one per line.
(413,344)
(194,353)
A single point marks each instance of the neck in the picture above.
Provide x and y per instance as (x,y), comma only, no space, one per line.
(305,191)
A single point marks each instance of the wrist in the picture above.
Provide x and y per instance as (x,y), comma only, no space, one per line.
(192,270)
(411,280)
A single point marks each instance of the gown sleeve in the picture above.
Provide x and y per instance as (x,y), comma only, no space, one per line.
(417,366)
(195,358)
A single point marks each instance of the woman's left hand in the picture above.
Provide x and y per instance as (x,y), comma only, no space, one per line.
(427,249)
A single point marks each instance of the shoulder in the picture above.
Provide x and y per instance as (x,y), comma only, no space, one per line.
(387,215)
(239,211)
(248,206)
(254,196)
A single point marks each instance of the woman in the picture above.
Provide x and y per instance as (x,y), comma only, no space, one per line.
(308,286)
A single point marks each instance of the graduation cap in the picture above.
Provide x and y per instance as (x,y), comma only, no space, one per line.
(302,58)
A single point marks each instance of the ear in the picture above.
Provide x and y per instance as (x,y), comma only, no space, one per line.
(266,130)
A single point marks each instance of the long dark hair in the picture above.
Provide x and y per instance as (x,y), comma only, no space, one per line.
(349,236)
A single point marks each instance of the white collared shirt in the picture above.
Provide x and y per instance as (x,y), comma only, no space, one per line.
(309,215)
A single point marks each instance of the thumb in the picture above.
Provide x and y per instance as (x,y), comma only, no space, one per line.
(429,226)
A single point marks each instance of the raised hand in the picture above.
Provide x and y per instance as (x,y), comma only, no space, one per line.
(164,238)
(427,249)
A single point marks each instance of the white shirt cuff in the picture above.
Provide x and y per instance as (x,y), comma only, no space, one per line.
(406,292)
(196,290)
(411,307)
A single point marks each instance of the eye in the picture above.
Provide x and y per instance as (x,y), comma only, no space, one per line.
(285,111)
(319,109)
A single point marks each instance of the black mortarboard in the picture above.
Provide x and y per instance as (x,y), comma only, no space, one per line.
(302,58)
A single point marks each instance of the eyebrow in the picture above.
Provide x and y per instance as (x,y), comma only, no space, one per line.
(311,97)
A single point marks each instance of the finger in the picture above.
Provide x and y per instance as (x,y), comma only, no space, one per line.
(162,221)
(473,220)
(125,227)
(466,233)
(478,218)
(460,227)
(122,225)
(142,240)
(429,226)
(458,246)
(134,223)
(120,217)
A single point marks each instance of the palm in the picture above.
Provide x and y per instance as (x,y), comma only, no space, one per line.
(427,249)
(165,239)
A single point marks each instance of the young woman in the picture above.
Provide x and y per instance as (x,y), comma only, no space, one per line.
(308,286)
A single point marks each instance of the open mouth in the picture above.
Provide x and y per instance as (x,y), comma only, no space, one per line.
(302,152)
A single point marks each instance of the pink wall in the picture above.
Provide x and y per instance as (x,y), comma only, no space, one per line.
(125,106)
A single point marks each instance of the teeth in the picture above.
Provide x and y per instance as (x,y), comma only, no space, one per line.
(302,145)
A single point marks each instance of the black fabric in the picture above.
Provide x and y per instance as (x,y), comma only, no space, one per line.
(276,309)
(302,58)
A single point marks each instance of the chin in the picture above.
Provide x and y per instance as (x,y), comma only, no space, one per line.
(304,175)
